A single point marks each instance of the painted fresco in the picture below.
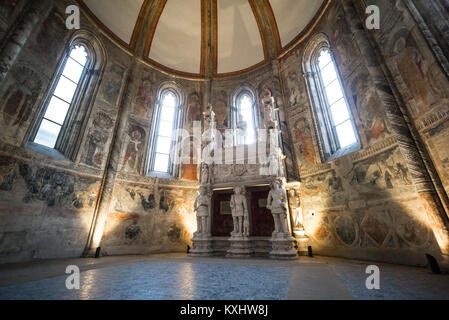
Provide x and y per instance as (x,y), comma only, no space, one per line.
(193,110)
(31,184)
(342,40)
(192,114)
(372,117)
(49,42)
(304,147)
(52,211)
(112,83)
(415,72)
(438,140)
(157,217)
(19,99)
(143,103)
(97,137)
(134,144)
(221,109)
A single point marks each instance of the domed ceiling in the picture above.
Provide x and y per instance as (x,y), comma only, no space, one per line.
(206,38)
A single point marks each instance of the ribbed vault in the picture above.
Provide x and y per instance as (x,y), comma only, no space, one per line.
(206,38)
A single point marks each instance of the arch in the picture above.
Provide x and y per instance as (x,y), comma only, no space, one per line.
(73,123)
(332,116)
(167,119)
(244,99)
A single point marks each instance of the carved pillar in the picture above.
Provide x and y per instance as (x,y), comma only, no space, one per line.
(111,168)
(290,171)
(37,11)
(435,211)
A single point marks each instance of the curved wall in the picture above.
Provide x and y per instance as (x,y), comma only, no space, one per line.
(363,205)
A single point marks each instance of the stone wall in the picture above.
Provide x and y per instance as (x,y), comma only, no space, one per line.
(363,205)
(47,203)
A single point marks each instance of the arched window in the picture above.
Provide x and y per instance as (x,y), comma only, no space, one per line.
(62,96)
(167,118)
(64,112)
(244,117)
(331,112)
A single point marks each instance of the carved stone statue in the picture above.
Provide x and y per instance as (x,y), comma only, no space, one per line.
(205,174)
(277,204)
(295,207)
(275,167)
(246,224)
(209,117)
(269,109)
(201,207)
(239,211)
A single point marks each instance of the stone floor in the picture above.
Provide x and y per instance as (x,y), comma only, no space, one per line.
(176,276)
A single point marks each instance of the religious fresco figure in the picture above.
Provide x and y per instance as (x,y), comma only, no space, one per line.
(205,174)
(193,110)
(305,148)
(135,145)
(415,72)
(17,103)
(143,101)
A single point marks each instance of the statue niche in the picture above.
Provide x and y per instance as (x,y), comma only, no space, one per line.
(277,204)
(201,207)
(239,213)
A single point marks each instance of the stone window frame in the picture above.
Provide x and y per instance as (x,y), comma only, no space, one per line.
(173,171)
(69,139)
(239,92)
(327,137)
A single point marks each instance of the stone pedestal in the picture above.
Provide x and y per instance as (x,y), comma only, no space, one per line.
(201,247)
(241,247)
(303,242)
(444,264)
(282,247)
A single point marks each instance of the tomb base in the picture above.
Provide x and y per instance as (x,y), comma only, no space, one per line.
(282,247)
(241,247)
(202,246)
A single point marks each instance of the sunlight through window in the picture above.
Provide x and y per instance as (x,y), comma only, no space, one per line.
(164,133)
(62,97)
(338,108)
(246,118)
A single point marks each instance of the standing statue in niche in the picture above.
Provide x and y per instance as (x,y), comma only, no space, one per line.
(209,118)
(205,174)
(239,211)
(201,207)
(277,204)
(246,224)
(295,209)
(270,109)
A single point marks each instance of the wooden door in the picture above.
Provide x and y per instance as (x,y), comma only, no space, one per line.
(262,223)
(222,224)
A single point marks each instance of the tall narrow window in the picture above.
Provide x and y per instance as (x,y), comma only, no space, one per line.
(336,103)
(64,114)
(332,115)
(244,117)
(165,126)
(62,97)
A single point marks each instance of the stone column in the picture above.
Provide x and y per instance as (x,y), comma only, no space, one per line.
(111,168)
(37,11)
(426,190)
(291,174)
